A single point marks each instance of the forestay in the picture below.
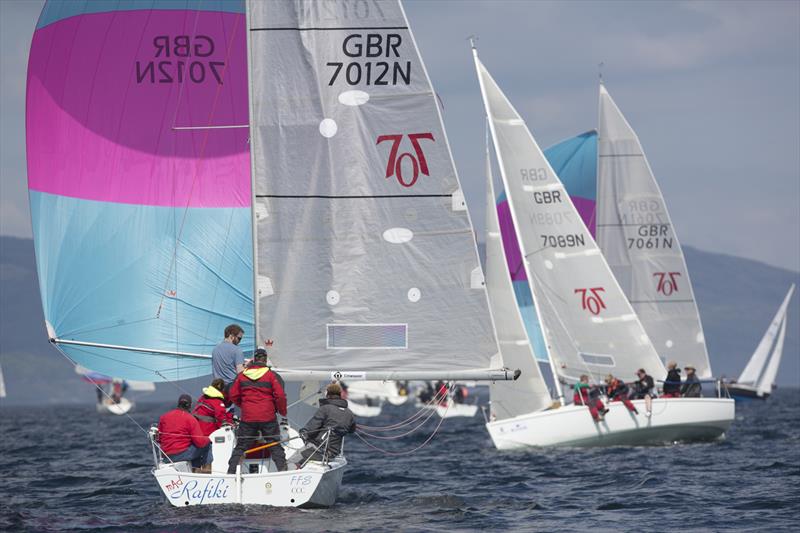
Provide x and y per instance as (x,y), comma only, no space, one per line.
(366,259)
(589,324)
(139,182)
(638,240)
(529,393)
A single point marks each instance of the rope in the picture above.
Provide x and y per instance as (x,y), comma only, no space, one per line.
(436,400)
(407,452)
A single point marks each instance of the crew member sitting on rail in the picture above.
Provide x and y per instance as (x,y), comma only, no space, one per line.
(618,391)
(583,396)
(181,439)
(692,388)
(210,409)
(672,385)
(644,388)
(332,415)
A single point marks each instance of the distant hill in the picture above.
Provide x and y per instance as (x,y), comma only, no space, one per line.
(737,299)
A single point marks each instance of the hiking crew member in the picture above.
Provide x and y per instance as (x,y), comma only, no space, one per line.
(210,409)
(584,396)
(672,385)
(181,439)
(332,414)
(692,388)
(618,391)
(644,388)
(227,359)
(259,393)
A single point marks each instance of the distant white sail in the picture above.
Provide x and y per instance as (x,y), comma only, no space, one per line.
(2,384)
(755,366)
(529,393)
(638,240)
(768,378)
(366,260)
(589,325)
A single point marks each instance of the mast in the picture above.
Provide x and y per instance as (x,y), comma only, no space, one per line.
(253,224)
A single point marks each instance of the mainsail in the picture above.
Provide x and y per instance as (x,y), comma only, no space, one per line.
(366,260)
(638,240)
(762,368)
(139,182)
(589,325)
(528,393)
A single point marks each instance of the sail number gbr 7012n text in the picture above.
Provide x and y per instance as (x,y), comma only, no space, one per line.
(381,66)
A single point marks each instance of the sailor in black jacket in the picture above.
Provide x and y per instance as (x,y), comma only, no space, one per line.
(332,415)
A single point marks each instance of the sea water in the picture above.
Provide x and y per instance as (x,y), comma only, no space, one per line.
(70,469)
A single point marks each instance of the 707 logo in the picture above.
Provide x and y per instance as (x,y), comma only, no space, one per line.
(591,299)
(395,163)
(667,282)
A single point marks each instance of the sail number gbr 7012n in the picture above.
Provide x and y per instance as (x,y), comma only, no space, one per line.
(381,66)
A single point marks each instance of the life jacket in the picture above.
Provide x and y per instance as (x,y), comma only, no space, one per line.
(258,391)
(210,410)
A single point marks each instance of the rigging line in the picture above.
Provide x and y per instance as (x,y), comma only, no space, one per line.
(204,144)
(318,391)
(431,412)
(407,452)
(437,398)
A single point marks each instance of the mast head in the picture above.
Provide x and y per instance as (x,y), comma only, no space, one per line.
(472,39)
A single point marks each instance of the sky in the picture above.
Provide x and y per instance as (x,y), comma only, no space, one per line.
(711,88)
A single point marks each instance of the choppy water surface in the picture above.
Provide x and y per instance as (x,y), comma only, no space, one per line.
(71,469)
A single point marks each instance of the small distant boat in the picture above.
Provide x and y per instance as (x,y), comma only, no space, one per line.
(452,409)
(758,377)
(2,384)
(110,391)
(391,391)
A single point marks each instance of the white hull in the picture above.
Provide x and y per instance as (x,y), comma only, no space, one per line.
(454,410)
(674,419)
(107,406)
(363,410)
(316,485)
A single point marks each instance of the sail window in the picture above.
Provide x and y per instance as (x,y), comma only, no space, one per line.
(414,294)
(598,359)
(398,235)
(353,98)
(367,336)
(328,128)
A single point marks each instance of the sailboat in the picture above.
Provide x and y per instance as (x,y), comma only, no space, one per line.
(366,398)
(110,391)
(281,165)
(587,323)
(2,384)
(758,377)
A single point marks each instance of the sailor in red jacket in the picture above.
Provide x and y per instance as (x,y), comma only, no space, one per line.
(180,436)
(259,393)
(210,409)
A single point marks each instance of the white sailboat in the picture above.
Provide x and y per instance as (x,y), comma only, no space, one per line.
(2,384)
(758,377)
(110,391)
(363,265)
(588,323)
